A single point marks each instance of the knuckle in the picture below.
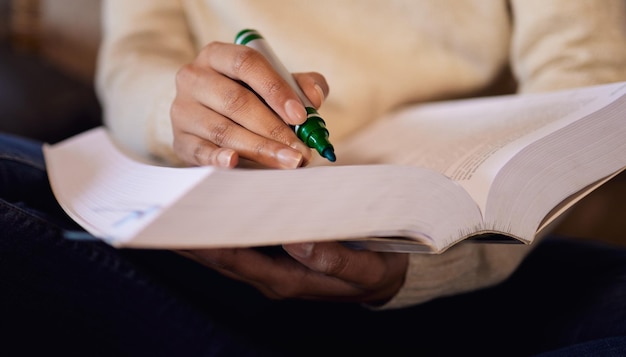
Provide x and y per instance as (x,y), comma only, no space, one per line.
(272,87)
(210,47)
(185,75)
(220,133)
(234,100)
(244,61)
(205,53)
(334,264)
(260,148)
(176,111)
(280,132)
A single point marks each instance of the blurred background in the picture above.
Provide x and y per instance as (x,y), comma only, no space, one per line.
(48,52)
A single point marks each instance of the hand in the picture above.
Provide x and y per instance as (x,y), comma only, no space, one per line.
(216,118)
(316,271)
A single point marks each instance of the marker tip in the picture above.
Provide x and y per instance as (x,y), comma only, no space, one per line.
(329,154)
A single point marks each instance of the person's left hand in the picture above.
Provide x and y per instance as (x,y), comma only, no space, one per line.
(316,271)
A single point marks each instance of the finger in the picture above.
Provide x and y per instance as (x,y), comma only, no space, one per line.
(378,275)
(195,151)
(360,267)
(314,87)
(277,277)
(236,102)
(249,66)
(213,131)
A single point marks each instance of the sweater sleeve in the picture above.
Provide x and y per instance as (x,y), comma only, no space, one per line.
(568,43)
(144,44)
(556,44)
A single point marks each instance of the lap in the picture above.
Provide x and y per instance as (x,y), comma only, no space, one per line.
(157,301)
(566,292)
(128,301)
(24,188)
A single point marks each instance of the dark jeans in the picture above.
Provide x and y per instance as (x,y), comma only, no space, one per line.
(86,298)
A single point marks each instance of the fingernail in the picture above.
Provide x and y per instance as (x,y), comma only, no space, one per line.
(295,112)
(289,158)
(300,250)
(320,93)
(225,157)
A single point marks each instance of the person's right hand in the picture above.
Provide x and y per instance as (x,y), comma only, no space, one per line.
(230,103)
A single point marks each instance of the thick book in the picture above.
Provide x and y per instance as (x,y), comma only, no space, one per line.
(493,169)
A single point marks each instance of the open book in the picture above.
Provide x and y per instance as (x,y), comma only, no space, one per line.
(422,179)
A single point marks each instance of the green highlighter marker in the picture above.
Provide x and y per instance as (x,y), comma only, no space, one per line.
(313,132)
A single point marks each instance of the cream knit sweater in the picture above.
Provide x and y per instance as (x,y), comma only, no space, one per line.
(376,56)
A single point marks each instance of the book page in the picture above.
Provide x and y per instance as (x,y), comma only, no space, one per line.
(557,170)
(240,208)
(108,194)
(467,140)
(132,204)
